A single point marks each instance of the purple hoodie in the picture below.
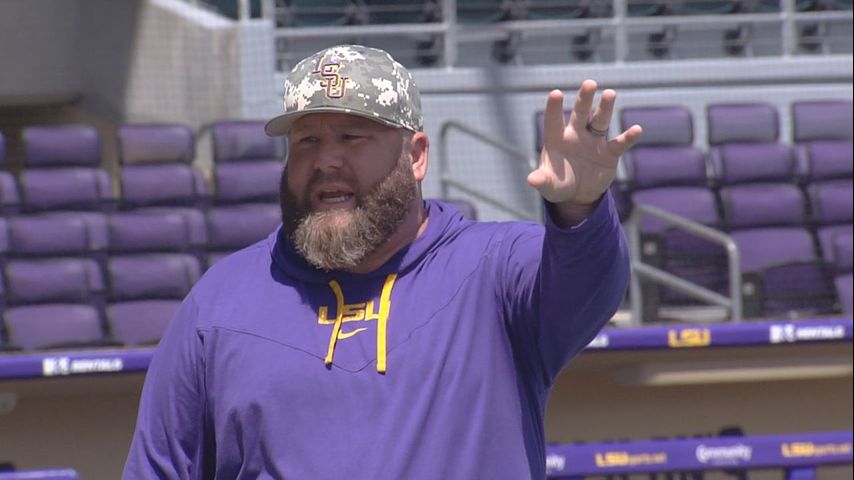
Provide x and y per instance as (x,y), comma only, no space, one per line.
(437,365)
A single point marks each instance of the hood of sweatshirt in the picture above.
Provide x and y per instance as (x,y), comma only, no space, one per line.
(443,224)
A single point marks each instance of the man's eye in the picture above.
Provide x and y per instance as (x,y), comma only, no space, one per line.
(308,139)
(352,136)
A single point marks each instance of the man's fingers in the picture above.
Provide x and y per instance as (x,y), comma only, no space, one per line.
(583,105)
(622,142)
(537,179)
(553,122)
(601,120)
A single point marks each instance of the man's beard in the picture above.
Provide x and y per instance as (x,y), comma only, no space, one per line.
(340,239)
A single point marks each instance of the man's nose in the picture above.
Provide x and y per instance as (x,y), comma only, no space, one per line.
(330,155)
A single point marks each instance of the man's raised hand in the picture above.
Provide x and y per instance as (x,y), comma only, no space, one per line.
(578,161)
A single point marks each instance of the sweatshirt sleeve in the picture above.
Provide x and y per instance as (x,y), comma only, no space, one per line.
(563,287)
(169,438)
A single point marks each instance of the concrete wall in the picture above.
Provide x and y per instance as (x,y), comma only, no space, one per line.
(128,62)
(107,50)
(39,51)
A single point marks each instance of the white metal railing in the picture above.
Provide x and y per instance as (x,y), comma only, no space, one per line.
(450,33)
(733,303)
(447,182)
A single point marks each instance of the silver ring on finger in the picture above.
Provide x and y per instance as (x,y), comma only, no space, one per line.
(595,131)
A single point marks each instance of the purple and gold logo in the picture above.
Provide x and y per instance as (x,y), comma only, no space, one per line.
(335,84)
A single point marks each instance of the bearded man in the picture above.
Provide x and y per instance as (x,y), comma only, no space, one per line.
(378,335)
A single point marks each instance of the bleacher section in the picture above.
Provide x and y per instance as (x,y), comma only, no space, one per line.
(85,268)
(789,215)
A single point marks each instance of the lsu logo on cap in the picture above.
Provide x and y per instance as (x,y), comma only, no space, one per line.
(334,84)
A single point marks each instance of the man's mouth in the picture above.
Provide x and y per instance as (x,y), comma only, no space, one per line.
(334,198)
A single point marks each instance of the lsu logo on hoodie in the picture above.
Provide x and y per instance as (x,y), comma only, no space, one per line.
(355,312)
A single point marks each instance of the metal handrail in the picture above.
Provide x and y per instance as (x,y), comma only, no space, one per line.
(733,303)
(453,33)
(447,182)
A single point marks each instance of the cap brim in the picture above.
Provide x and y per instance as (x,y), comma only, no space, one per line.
(281,125)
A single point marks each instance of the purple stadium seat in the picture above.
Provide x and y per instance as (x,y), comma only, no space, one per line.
(763,205)
(4,241)
(49,261)
(651,166)
(147,274)
(63,177)
(821,120)
(665,155)
(820,160)
(247,163)
(745,145)
(10,200)
(34,327)
(48,272)
(247,168)
(742,122)
(822,131)
(662,125)
(157,175)
(237,226)
(752,162)
(832,211)
(62,169)
(763,248)
(141,322)
(842,250)
(768,222)
(65,279)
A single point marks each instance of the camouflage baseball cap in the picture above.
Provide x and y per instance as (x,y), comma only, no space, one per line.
(350,79)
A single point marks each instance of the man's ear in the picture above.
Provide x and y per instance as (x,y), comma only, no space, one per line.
(419,148)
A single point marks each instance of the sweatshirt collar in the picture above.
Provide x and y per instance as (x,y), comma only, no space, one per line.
(441,219)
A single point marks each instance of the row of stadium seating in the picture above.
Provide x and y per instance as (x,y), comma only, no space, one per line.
(301,13)
(63,171)
(788,207)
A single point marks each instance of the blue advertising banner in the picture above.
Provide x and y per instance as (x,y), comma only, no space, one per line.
(16,365)
(748,452)
(63,474)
